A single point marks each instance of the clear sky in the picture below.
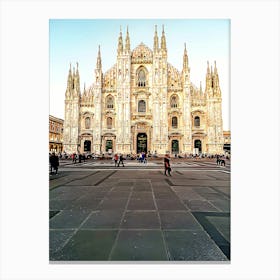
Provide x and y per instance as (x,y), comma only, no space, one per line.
(74,41)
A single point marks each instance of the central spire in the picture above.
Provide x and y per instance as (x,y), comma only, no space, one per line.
(98,61)
(185,59)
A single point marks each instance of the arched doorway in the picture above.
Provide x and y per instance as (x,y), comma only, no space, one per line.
(197,145)
(141,143)
(87,146)
(109,146)
(175,146)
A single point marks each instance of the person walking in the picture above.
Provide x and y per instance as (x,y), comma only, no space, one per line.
(54,161)
(116,158)
(167,165)
(121,160)
(144,156)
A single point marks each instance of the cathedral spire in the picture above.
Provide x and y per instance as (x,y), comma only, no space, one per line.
(215,67)
(70,79)
(84,92)
(208,77)
(163,40)
(216,80)
(127,41)
(98,61)
(200,88)
(185,60)
(77,79)
(156,40)
(120,43)
(77,71)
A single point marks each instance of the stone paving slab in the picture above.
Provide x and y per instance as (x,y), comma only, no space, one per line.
(84,203)
(140,215)
(141,195)
(192,246)
(68,219)
(170,204)
(178,220)
(223,205)
(187,193)
(57,238)
(200,205)
(222,224)
(198,182)
(113,203)
(140,245)
(88,245)
(141,204)
(103,219)
(140,219)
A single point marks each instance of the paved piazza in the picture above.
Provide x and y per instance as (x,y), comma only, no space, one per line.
(99,212)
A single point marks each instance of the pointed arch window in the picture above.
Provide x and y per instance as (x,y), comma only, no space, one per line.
(109,123)
(174,122)
(110,102)
(174,101)
(87,123)
(197,121)
(141,81)
(141,106)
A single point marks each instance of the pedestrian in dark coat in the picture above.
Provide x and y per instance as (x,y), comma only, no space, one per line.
(54,161)
(120,160)
(167,165)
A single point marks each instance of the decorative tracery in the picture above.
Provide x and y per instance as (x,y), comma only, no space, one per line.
(174,101)
(110,102)
(141,78)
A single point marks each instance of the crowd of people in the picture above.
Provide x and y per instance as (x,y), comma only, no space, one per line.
(142,157)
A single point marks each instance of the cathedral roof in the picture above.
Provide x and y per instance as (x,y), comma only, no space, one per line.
(142,54)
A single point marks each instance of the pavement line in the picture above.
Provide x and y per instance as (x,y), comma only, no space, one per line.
(119,229)
(217,190)
(161,230)
(75,231)
(102,180)
(212,231)
(66,183)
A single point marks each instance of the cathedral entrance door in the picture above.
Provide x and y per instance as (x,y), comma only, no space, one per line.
(197,145)
(141,143)
(87,146)
(175,146)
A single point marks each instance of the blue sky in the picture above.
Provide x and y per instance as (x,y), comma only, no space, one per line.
(75,40)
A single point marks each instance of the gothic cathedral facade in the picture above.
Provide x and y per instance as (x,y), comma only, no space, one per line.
(143,103)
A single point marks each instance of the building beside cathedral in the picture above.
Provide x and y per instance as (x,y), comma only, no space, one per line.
(143,103)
